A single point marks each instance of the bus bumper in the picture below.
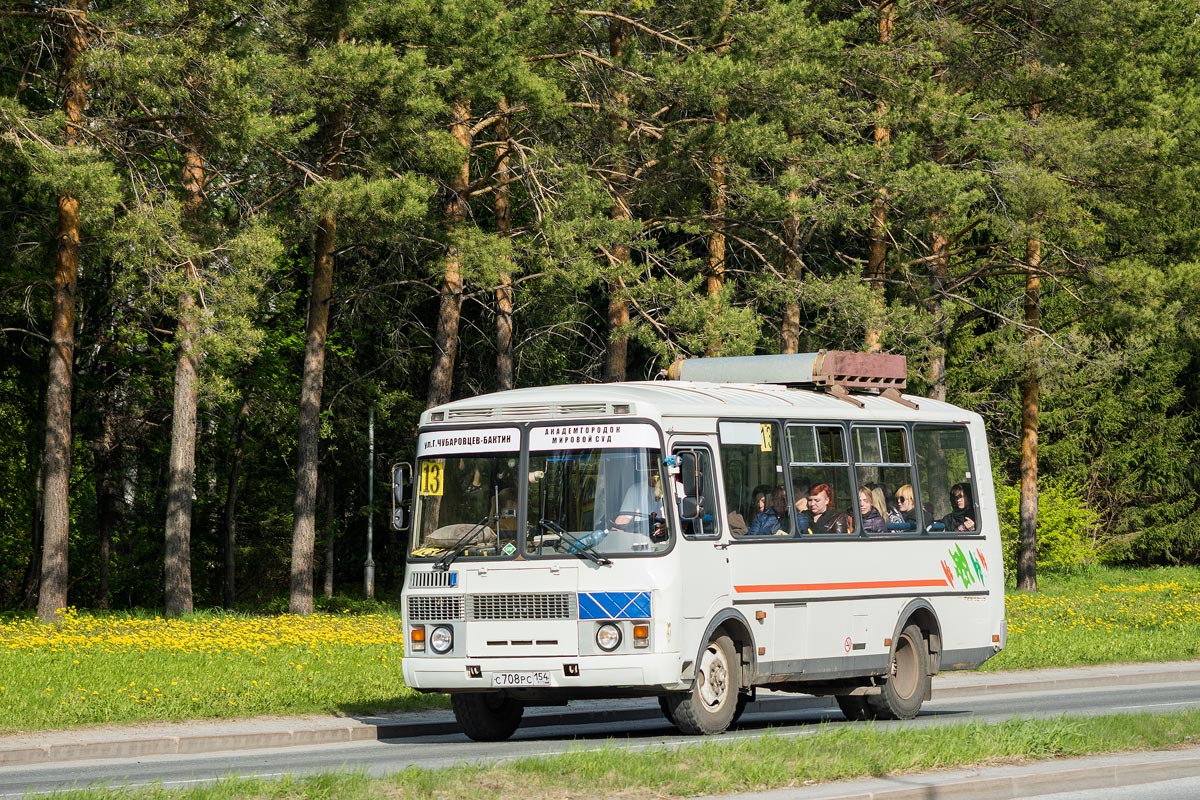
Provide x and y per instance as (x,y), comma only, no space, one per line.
(661,670)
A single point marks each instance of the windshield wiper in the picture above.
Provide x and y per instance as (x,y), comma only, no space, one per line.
(446,559)
(576,546)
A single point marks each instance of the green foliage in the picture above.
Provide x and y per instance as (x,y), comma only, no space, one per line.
(1067,528)
(785,138)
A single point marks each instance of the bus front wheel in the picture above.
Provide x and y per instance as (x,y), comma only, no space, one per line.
(487,716)
(709,707)
(907,682)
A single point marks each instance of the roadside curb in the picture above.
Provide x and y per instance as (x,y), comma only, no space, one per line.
(278,732)
(1004,783)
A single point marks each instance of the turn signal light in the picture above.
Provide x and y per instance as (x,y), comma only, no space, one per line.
(641,635)
(416,639)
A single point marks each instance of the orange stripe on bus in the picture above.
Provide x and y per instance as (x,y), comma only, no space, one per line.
(815,587)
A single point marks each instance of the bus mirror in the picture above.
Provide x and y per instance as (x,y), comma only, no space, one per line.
(689,507)
(401,478)
(689,473)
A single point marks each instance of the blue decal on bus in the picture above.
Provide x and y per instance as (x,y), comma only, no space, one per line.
(614,605)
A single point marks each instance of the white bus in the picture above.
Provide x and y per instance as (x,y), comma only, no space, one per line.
(788,522)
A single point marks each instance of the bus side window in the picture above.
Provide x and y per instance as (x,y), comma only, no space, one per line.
(751,455)
(885,479)
(818,459)
(947,486)
(704,522)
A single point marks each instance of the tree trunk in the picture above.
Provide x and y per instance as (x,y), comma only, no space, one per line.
(326,490)
(877,255)
(504,287)
(1030,400)
(108,504)
(1030,389)
(56,457)
(939,271)
(181,470)
(616,351)
(300,592)
(231,500)
(307,444)
(789,332)
(717,208)
(445,340)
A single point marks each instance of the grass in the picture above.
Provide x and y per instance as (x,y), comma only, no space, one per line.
(1103,616)
(126,668)
(91,669)
(837,752)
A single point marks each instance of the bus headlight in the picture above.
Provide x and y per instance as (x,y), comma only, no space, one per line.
(608,637)
(441,640)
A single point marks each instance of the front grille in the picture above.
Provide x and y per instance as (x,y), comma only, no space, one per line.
(531,412)
(432,580)
(430,609)
(522,606)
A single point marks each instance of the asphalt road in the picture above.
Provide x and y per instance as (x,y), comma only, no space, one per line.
(180,755)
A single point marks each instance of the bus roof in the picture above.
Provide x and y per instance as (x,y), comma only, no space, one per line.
(662,399)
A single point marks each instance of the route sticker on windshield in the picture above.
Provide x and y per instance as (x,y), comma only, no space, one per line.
(430,484)
(509,549)
(593,436)
(468,442)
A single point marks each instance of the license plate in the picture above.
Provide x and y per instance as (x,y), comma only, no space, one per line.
(516,680)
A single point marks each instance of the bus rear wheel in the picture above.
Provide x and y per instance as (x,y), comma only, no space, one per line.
(742,701)
(713,701)
(907,682)
(854,707)
(487,716)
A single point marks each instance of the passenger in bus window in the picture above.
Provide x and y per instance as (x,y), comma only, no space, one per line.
(779,504)
(825,518)
(962,518)
(766,520)
(801,515)
(906,508)
(872,518)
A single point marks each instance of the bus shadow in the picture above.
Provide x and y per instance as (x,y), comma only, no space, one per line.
(659,730)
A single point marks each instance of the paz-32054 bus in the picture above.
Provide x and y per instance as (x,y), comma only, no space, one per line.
(791,522)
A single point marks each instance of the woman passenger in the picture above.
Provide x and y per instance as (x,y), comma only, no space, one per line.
(872,517)
(825,518)
(766,520)
(962,518)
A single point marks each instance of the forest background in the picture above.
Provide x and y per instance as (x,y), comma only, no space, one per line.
(230,230)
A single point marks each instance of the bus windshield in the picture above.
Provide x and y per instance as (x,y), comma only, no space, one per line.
(598,489)
(467,503)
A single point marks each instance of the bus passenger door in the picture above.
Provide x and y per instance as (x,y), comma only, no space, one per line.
(703,561)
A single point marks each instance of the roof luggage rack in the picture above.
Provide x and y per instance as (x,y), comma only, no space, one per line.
(834,371)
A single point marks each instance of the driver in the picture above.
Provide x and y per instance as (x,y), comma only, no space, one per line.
(642,501)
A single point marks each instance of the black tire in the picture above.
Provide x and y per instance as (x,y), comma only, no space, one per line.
(742,701)
(907,683)
(854,707)
(666,708)
(740,709)
(487,716)
(711,704)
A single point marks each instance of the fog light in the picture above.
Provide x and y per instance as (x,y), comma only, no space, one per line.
(441,640)
(641,635)
(608,637)
(416,639)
